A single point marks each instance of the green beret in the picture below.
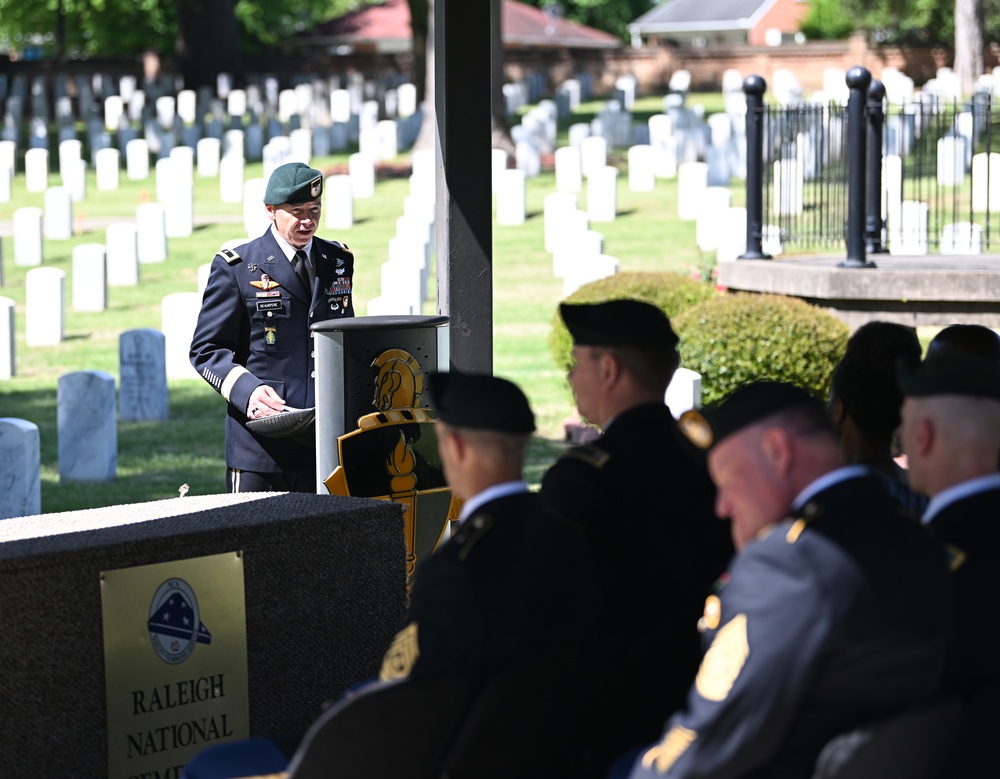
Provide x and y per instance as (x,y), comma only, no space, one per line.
(951,376)
(743,407)
(479,401)
(622,322)
(293,182)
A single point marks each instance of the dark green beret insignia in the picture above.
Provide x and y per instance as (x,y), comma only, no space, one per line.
(293,182)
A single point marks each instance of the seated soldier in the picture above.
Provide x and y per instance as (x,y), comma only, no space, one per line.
(511,580)
(834,617)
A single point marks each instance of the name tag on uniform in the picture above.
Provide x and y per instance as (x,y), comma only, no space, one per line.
(270,305)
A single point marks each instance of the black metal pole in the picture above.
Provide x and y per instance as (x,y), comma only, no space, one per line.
(858,79)
(876,121)
(754,88)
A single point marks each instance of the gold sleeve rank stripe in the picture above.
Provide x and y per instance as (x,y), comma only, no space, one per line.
(402,655)
(724,660)
(663,756)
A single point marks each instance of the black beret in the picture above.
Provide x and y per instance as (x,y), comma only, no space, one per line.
(480,401)
(951,376)
(622,322)
(293,182)
(741,408)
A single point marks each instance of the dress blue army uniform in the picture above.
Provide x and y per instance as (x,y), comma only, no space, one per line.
(253,329)
(828,620)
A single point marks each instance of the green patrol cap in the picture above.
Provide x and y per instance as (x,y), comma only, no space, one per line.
(741,408)
(951,376)
(293,182)
(623,322)
(480,401)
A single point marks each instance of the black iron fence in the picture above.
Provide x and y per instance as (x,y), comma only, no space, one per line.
(868,177)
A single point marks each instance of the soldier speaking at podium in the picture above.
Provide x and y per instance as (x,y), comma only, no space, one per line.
(252,341)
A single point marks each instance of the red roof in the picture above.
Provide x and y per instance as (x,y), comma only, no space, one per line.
(523,25)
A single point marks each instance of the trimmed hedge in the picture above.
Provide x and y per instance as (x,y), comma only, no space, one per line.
(672,292)
(742,337)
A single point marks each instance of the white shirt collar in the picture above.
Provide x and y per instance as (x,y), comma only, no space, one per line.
(959,491)
(826,481)
(290,250)
(493,492)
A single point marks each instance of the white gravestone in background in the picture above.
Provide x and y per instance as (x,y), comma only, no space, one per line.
(28,236)
(602,194)
(179,315)
(142,361)
(692,181)
(123,254)
(151,232)
(361,169)
(683,392)
(339,205)
(137,159)
(108,164)
(231,179)
(511,197)
(58,222)
(641,175)
(87,427)
(20,462)
(255,218)
(36,170)
(90,288)
(569,170)
(586,270)
(8,362)
(45,303)
(209,152)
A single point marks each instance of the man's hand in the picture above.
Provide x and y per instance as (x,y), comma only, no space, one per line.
(264,402)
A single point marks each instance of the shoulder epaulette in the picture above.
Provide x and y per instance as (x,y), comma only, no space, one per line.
(590,454)
(956,557)
(229,256)
(809,512)
(473,529)
(343,246)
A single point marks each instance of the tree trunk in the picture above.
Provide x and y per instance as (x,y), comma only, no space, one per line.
(968,43)
(425,138)
(420,11)
(208,42)
(498,105)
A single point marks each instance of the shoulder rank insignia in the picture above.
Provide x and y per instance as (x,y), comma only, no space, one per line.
(401,655)
(473,529)
(662,756)
(809,512)
(590,454)
(724,660)
(713,613)
(342,246)
(956,557)
(265,283)
(229,256)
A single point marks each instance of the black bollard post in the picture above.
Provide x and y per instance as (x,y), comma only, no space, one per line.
(876,120)
(754,88)
(858,80)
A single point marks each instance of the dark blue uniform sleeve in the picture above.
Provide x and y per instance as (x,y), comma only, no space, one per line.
(222,328)
(774,622)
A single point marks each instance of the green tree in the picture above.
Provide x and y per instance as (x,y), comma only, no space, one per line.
(827,20)
(612,16)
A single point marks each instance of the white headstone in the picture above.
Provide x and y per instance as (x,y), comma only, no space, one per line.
(70,154)
(231,179)
(142,368)
(255,219)
(339,205)
(683,392)
(179,315)
(361,169)
(340,105)
(6,182)
(951,161)
(137,159)
(593,154)
(912,235)
(383,305)
(36,170)
(498,162)
(45,306)
(20,462)
(715,202)
(962,238)
(187,106)
(151,232)
(986,182)
(556,207)
(575,240)
(122,254)
(108,164)
(511,197)
(401,283)
(789,187)
(587,269)
(90,288)
(178,209)
(732,235)
(692,181)
(233,143)
(208,154)
(58,220)
(236,102)
(114,110)
(87,427)
(641,175)
(7,349)
(166,109)
(28,235)
(569,169)
(602,194)
(407,95)
(300,145)
(892,197)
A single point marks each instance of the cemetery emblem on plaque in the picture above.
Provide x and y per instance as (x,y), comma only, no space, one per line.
(174,625)
(393,456)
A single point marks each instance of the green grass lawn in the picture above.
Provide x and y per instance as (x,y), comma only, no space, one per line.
(155,459)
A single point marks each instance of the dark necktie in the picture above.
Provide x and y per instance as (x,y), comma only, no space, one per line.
(299,266)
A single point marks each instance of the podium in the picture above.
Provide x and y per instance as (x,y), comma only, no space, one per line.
(374,433)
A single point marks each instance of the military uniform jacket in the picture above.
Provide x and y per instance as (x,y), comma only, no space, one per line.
(508,580)
(253,329)
(834,619)
(970,529)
